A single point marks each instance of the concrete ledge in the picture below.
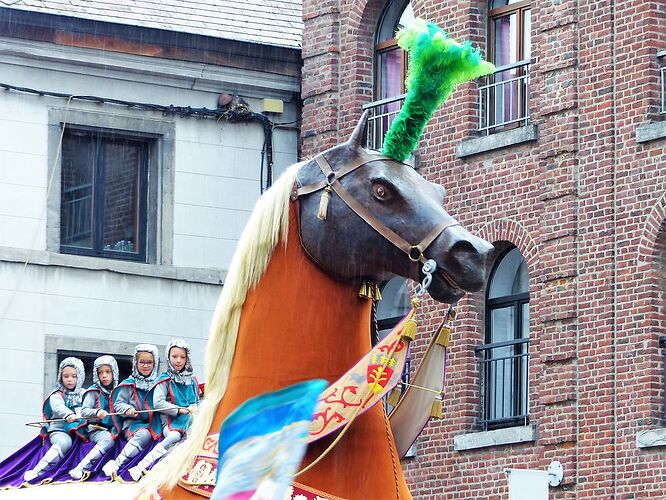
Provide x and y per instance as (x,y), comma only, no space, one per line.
(651,438)
(498,437)
(499,140)
(44,258)
(650,132)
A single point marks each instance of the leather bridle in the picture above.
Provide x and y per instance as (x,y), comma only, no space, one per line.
(415,252)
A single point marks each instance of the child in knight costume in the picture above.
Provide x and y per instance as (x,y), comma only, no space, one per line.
(63,404)
(175,395)
(130,398)
(96,409)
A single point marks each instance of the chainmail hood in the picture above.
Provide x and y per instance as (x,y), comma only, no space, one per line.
(72,397)
(109,361)
(145,383)
(185,376)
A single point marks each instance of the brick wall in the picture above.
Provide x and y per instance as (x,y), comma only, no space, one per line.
(585,204)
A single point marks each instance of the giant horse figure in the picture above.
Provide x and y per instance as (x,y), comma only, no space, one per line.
(290,309)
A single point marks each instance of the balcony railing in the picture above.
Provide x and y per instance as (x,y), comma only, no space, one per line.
(504,368)
(382,113)
(504,98)
(661,59)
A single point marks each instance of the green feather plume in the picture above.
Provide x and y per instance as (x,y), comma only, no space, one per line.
(437,64)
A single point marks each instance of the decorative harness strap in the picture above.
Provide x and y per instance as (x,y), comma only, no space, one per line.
(332,183)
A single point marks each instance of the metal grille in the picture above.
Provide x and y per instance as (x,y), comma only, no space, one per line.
(504,98)
(382,113)
(504,383)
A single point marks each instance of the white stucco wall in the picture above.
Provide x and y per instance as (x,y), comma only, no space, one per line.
(215,183)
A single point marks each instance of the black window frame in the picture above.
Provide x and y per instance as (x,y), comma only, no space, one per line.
(145,143)
(520,344)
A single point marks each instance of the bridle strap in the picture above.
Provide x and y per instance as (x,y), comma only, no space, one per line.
(360,160)
(414,252)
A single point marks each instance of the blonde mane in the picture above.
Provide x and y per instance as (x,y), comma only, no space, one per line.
(268,224)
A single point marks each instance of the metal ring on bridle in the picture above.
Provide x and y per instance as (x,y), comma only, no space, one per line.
(415,254)
(330,178)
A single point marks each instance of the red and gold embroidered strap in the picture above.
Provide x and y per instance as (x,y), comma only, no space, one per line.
(364,385)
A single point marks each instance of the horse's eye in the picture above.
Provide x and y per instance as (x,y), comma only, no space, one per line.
(380,191)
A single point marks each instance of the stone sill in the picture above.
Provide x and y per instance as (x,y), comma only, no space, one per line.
(478,145)
(651,438)
(650,132)
(44,258)
(498,437)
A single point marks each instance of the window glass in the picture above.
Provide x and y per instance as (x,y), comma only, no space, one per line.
(122,167)
(527,39)
(390,78)
(76,207)
(103,197)
(494,4)
(395,299)
(505,40)
(510,276)
(394,18)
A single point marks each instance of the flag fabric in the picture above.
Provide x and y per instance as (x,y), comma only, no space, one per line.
(262,443)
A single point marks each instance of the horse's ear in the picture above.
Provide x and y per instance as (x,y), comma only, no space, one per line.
(356,139)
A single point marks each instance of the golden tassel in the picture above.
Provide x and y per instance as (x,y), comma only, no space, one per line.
(363,292)
(394,396)
(409,330)
(444,336)
(376,293)
(437,410)
(323,203)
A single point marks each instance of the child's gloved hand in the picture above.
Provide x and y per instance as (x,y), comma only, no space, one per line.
(131,412)
(193,409)
(71,418)
(102,413)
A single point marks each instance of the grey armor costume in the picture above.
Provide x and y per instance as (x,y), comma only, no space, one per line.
(167,409)
(62,403)
(123,402)
(96,400)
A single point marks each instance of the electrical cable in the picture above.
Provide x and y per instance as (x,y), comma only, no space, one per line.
(240,115)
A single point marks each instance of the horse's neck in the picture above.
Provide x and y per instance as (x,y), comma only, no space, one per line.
(299,323)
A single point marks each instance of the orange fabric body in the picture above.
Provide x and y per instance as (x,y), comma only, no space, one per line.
(300,324)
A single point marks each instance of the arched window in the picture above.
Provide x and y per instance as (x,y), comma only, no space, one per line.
(393,306)
(390,69)
(505,94)
(391,309)
(505,356)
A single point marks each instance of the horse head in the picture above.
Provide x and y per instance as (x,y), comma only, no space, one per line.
(383,218)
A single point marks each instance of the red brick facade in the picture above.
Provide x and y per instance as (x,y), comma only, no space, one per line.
(586,205)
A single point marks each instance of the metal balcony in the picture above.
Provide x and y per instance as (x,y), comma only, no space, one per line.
(382,114)
(504,368)
(504,98)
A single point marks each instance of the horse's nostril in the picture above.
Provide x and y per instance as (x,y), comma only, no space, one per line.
(463,249)
(467,262)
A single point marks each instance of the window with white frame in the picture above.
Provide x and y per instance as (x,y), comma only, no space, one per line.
(504,95)
(390,70)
